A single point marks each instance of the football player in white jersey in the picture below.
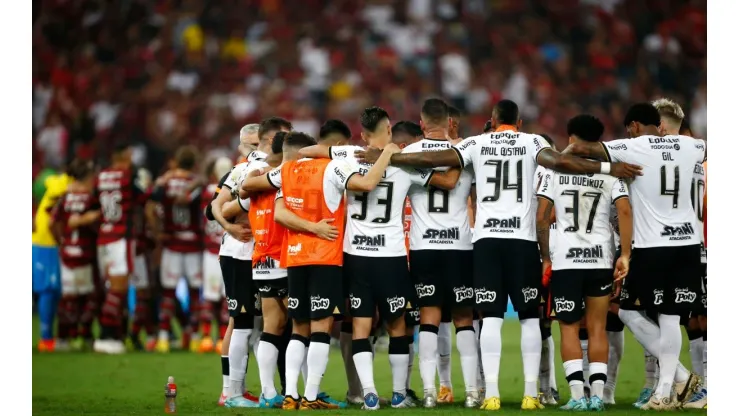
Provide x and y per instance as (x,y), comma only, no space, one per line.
(235,258)
(441,261)
(666,259)
(506,257)
(581,261)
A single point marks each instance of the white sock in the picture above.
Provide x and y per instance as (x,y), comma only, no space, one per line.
(398,356)
(647,334)
(304,369)
(238,357)
(545,367)
(551,360)
(467,346)
(267,356)
(428,358)
(584,351)
(490,347)
(364,365)
(670,348)
(616,350)
(353,381)
(444,349)
(412,356)
(705,360)
(293,361)
(598,374)
(572,368)
(317,358)
(696,350)
(531,345)
(651,371)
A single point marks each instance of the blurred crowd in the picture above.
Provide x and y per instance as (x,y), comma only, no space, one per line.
(162,73)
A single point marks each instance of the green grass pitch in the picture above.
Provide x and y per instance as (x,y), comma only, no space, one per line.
(133,384)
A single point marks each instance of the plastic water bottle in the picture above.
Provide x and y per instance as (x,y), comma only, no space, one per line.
(170,393)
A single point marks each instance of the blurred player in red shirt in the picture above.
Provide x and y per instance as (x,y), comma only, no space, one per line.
(182,244)
(118,193)
(73,218)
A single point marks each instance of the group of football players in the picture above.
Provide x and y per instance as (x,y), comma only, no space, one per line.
(419,231)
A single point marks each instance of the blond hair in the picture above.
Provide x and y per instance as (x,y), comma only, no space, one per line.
(669,111)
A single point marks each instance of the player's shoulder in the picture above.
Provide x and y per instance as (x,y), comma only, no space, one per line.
(256,155)
(347,150)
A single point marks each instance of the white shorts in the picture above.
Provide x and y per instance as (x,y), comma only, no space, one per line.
(140,277)
(116,258)
(175,265)
(213,282)
(77,280)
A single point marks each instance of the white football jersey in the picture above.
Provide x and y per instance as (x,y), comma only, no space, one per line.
(539,175)
(375,219)
(582,211)
(661,198)
(439,218)
(231,247)
(504,163)
(698,186)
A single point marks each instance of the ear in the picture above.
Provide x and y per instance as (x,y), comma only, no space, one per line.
(421,124)
(571,139)
(519,124)
(402,145)
(362,136)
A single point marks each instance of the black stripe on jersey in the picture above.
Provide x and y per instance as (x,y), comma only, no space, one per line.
(619,197)
(222,182)
(429,179)
(547,198)
(331,156)
(270,181)
(606,151)
(459,156)
(346,184)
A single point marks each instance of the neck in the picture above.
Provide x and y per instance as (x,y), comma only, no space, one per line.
(373,141)
(651,130)
(503,127)
(290,155)
(274,160)
(264,147)
(436,133)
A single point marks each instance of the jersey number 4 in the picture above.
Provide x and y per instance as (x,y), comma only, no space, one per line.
(387,202)
(501,180)
(574,210)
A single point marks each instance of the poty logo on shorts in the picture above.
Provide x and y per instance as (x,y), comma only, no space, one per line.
(704,301)
(485,296)
(685,295)
(396,303)
(294,249)
(232,304)
(658,297)
(562,305)
(354,302)
(624,295)
(462,293)
(293,303)
(319,303)
(529,294)
(423,290)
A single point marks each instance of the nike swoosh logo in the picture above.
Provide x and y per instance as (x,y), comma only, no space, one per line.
(606,287)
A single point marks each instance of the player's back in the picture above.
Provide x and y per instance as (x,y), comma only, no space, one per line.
(583,213)
(117,194)
(77,247)
(440,217)
(181,221)
(661,197)
(504,163)
(309,193)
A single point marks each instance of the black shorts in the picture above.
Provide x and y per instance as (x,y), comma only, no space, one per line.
(241,295)
(701,308)
(506,268)
(570,287)
(413,317)
(663,279)
(377,282)
(314,292)
(443,278)
(275,288)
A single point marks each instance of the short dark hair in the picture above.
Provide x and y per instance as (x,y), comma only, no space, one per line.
(80,168)
(371,117)
(586,127)
(272,123)
(488,126)
(643,113)
(407,127)
(298,140)
(506,112)
(685,128)
(435,111)
(548,139)
(186,157)
(334,126)
(453,112)
(277,142)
